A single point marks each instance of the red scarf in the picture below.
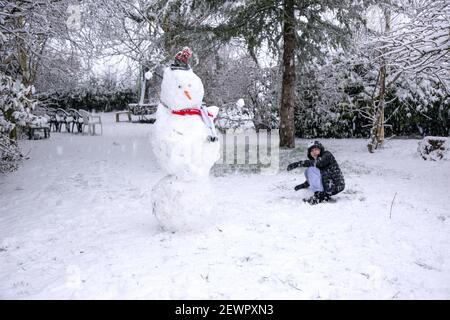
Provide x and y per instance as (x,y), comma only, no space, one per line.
(189,112)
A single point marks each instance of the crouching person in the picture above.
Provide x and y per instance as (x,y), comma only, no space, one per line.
(323,176)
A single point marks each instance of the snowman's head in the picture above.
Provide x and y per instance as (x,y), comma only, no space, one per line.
(181,89)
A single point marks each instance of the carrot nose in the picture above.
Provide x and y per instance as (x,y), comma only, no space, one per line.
(186,93)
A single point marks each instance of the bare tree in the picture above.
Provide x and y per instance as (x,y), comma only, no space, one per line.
(27,30)
(418,46)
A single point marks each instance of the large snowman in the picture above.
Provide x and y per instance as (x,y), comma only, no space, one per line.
(186,146)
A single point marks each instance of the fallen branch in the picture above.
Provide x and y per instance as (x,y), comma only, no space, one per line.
(392,204)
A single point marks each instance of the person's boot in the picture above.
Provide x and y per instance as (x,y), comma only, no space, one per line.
(304,185)
(318,197)
(312,200)
(315,199)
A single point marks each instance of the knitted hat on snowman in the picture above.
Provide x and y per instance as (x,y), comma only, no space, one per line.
(181,60)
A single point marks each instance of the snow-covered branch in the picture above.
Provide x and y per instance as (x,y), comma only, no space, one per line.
(420,46)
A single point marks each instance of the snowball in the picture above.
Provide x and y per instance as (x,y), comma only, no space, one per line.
(240,103)
(182,205)
(148,75)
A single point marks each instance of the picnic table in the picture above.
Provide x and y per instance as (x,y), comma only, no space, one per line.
(128,113)
(33,129)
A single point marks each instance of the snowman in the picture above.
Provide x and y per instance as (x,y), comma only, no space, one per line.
(186,146)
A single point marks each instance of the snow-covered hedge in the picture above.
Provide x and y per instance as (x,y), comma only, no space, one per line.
(91,97)
(434,148)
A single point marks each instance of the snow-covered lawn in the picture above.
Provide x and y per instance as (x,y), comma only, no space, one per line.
(76,222)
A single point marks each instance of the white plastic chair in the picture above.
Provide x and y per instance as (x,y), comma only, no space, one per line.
(91,121)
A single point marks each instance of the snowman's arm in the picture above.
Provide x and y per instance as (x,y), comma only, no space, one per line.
(213,110)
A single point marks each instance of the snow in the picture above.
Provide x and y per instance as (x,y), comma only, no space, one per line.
(77,224)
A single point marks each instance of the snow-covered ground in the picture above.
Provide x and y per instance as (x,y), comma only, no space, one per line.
(76,222)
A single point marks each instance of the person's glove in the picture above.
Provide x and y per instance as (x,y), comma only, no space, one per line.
(292,166)
(304,163)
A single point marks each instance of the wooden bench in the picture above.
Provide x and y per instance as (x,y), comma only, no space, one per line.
(145,112)
(128,113)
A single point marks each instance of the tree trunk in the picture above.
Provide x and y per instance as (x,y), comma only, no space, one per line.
(288,85)
(377,132)
(387,17)
(381,104)
(142,90)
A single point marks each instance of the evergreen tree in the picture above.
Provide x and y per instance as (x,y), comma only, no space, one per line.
(294,31)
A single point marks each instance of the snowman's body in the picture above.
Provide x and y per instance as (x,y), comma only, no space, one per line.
(181,147)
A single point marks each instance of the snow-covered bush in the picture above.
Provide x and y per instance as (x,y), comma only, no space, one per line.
(14,96)
(327,96)
(434,148)
(14,110)
(335,99)
(10,154)
(16,104)
(229,80)
(235,116)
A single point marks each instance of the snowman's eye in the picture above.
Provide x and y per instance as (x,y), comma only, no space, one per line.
(189,85)
(179,87)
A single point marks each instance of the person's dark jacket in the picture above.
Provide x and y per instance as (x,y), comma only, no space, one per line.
(332,178)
